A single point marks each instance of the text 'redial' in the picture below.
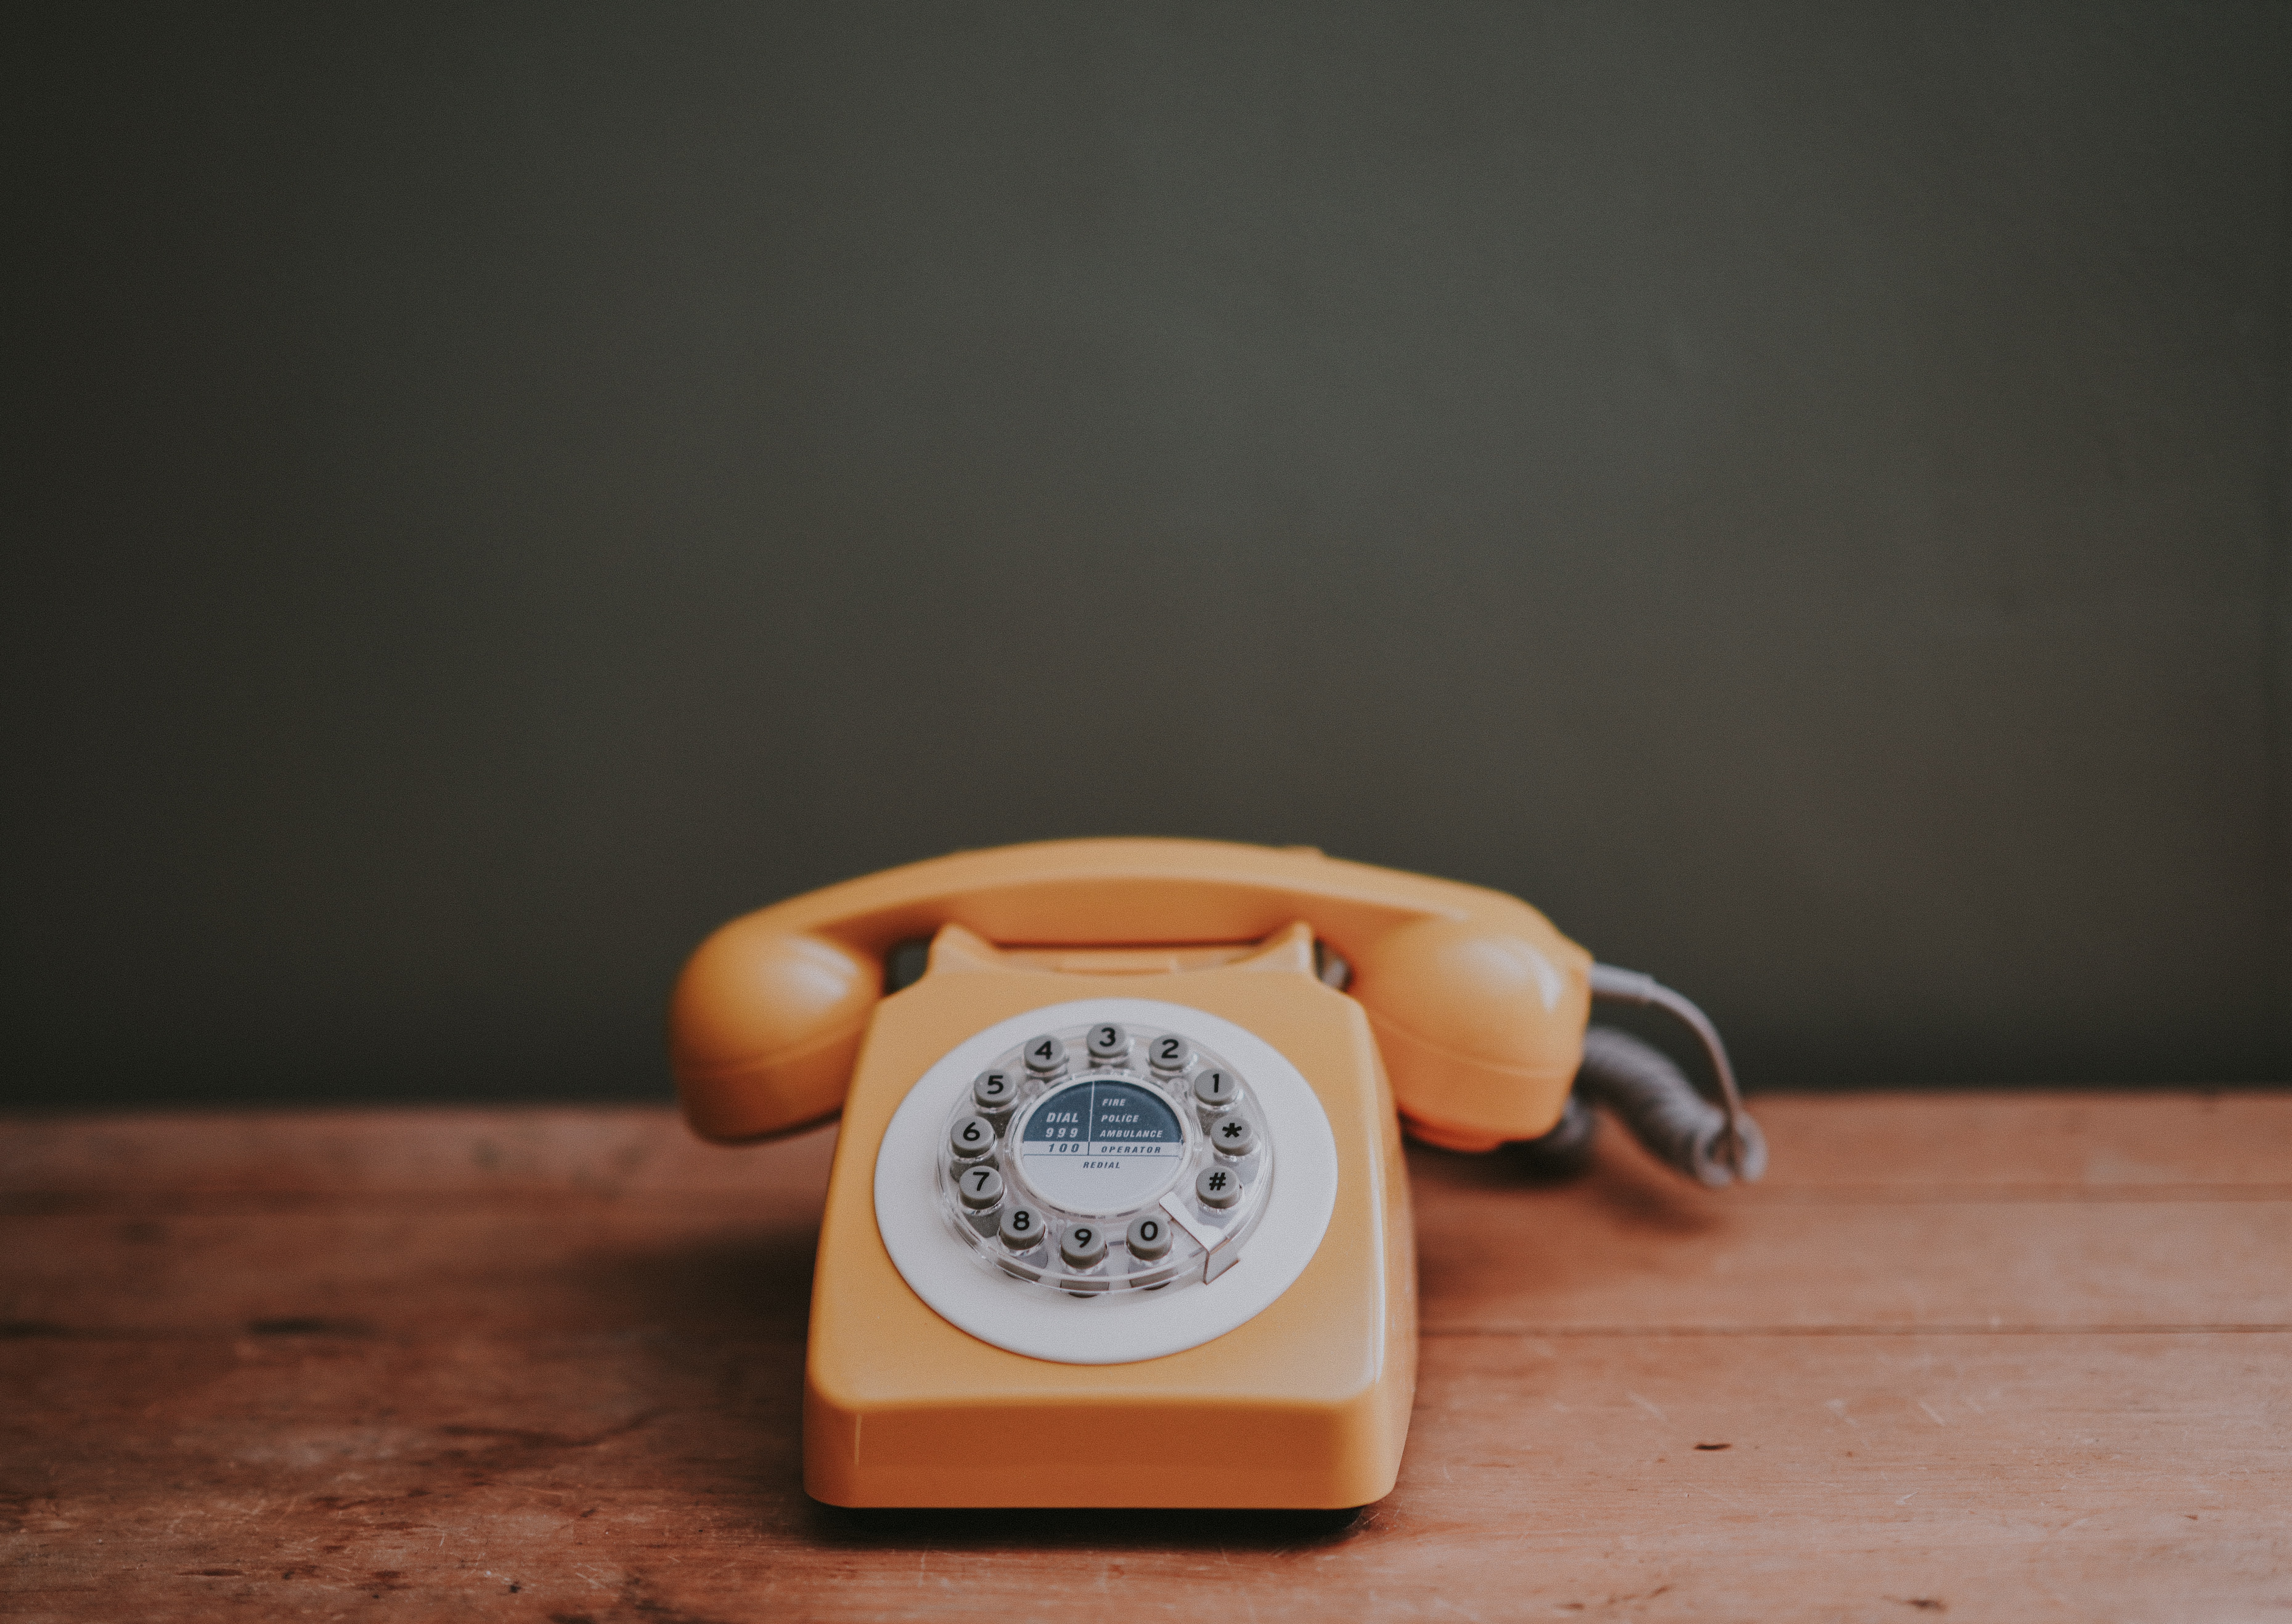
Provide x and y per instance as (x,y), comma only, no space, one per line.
(1101,1145)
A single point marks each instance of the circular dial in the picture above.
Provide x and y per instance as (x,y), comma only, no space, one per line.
(1104,1157)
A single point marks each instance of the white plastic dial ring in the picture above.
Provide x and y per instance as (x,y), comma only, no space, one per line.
(1110,1328)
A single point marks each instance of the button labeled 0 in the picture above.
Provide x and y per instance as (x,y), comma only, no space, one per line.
(1149,1237)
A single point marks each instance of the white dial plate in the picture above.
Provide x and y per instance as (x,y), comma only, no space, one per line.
(1120,1327)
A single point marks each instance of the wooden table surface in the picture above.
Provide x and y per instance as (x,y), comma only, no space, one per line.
(1982,1356)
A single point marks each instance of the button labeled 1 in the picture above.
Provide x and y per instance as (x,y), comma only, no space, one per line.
(1216,1087)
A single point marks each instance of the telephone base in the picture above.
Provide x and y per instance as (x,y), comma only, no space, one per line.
(1247,1456)
(1303,1405)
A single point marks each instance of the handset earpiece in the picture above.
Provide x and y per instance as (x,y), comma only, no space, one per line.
(765,1026)
(1481,1020)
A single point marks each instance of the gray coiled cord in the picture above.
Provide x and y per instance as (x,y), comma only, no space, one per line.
(1713,1144)
(1655,1100)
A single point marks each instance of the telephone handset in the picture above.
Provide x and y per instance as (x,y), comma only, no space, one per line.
(1118,1215)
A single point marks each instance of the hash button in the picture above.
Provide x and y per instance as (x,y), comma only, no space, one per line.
(1217,1187)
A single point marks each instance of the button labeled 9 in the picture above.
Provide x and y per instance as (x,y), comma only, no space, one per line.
(1082,1245)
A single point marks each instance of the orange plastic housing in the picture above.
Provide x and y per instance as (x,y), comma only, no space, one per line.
(1307,1405)
(1466,1012)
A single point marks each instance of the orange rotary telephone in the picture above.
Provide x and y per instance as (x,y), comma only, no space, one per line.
(1118,1215)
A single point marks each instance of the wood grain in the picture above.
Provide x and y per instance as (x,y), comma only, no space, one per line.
(1984,1356)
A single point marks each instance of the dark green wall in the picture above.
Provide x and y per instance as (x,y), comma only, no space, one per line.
(1797,492)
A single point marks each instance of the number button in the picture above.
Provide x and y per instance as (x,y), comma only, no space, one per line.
(1082,1245)
(1232,1135)
(1045,1055)
(1021,1229)
(1172,1054)
(995,1091)
(1217,1187)
(1215,1088)
(981,1187)
(1149,1237)
(1108,1043)
(973,1136)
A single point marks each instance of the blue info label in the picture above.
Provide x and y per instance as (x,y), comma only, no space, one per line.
(1101,1146)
